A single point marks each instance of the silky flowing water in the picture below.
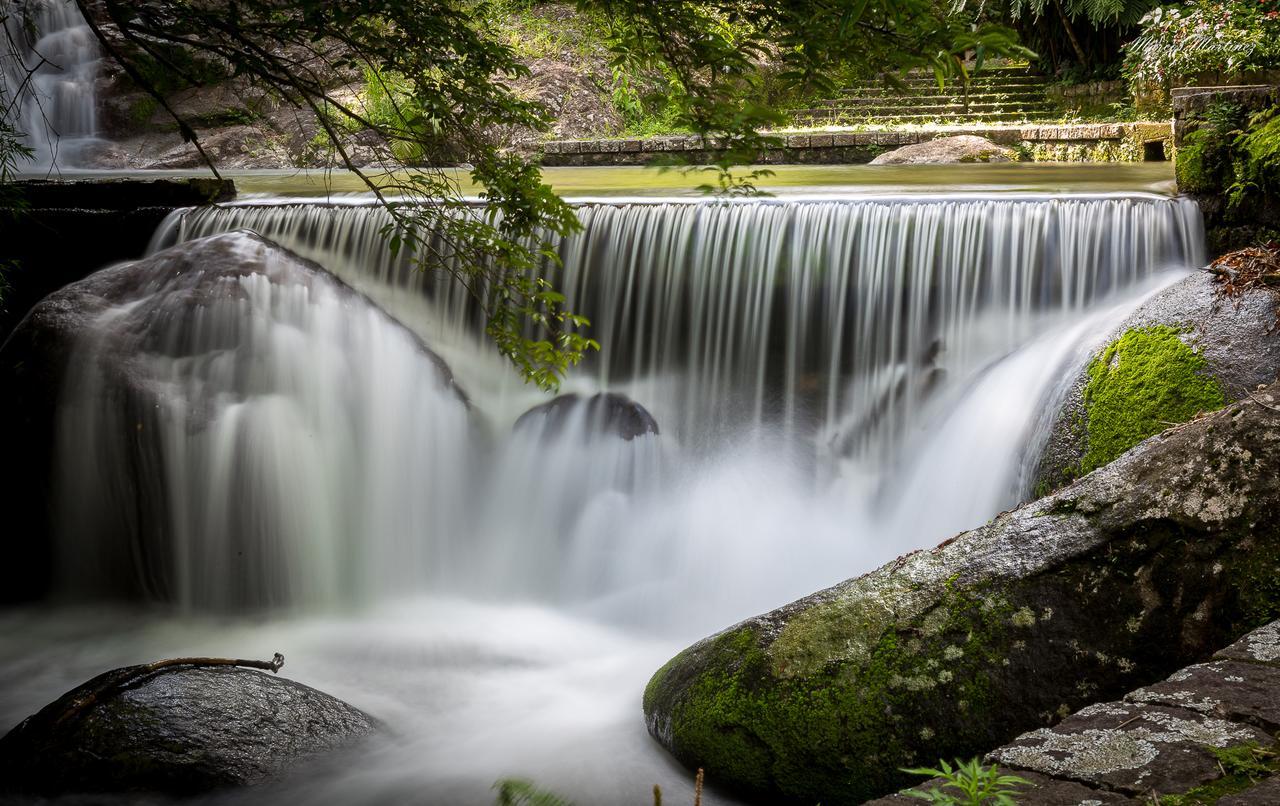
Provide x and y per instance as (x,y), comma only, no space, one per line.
(837,380)
(48,66)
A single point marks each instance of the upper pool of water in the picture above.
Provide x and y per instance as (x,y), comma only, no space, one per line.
(787,180)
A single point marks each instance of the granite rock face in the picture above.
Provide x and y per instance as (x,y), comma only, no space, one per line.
(944,150)
(1136,570)
(1230,346)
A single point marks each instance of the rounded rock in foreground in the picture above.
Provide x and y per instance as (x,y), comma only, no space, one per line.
(179,729)
(605,413)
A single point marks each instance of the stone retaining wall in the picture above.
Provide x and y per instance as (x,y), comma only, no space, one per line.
(1119,141)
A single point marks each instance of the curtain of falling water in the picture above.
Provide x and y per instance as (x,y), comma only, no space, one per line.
(804,314)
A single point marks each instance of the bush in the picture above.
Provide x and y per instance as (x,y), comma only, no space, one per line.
(1224,41)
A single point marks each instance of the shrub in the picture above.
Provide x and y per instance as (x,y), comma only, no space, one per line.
(1180,43)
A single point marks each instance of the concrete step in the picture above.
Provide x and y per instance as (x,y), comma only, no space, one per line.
(989,117)
(930,100)
(1022,81)
(926,111)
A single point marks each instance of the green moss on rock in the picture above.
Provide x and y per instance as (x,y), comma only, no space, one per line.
(1142,383)
(1147,565)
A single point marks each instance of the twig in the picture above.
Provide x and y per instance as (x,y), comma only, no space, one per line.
(1255,399)
(135,672)
(697,788)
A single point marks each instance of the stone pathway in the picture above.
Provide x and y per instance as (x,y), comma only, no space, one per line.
(1163,744)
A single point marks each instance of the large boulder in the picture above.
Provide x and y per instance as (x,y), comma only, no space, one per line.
(1191,348)
(604,413)
(127,392)
(178,729)
(1148,564)
(943,150)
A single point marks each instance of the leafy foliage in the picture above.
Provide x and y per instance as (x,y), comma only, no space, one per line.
(13,151)
(519,792)
(1234,154)
(1095,12)
(1257,172)
(437,92)
(968,784)
(1227,39)
(1206,158)
(438,80)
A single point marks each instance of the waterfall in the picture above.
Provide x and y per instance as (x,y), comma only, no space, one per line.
(811,314)
(49,65)
(239,428)
(836,383)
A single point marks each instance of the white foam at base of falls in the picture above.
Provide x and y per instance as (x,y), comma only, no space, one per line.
(580,565)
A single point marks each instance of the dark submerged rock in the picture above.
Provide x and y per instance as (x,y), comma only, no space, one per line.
(1134,571)
(179,729)
(603,413)
(1232,347)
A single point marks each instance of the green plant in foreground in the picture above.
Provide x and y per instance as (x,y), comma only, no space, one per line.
(519,792)
(971,784)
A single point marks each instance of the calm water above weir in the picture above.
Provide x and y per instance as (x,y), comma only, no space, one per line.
(788,180)
(820,365)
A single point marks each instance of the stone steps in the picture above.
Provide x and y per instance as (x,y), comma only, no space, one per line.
(1160,740)
(997,95)
(913,100)
(844,117)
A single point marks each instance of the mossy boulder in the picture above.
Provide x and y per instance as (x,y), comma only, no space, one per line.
(1189,349)
(180,729)
(1148,564)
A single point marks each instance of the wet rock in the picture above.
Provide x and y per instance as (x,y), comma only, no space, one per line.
(1223,689)
(1130,747)
(1260,646)
(1040,790)
(140,362)
(1229,346)
(962,148)
(1264,793)
(179,729)
(602,413)
(1136,570)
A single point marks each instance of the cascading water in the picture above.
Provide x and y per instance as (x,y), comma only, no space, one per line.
(803,313)
(49,65)
(818,369)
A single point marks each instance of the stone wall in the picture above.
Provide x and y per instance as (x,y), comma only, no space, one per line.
(1074,142)
(1206,163)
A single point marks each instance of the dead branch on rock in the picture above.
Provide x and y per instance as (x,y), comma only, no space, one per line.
(134,673)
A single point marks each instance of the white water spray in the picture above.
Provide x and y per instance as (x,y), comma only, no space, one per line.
(837,382)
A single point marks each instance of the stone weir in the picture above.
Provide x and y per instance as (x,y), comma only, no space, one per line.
(66,230)
(1086,142)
